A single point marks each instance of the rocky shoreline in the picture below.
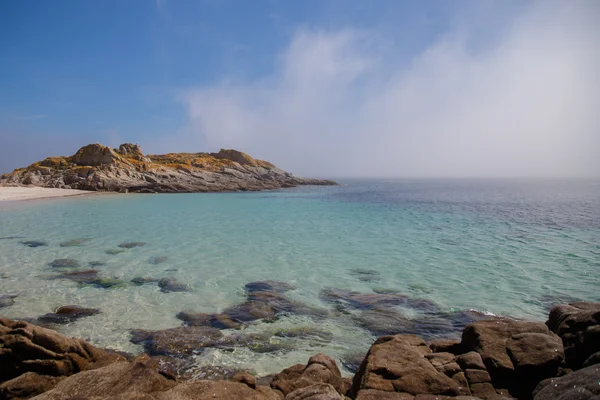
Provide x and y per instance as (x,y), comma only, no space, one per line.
(495,359)
(100,168)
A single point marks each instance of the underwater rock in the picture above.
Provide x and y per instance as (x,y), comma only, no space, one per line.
(75,242)
(157,260)
(361,301)
(170,284)
(186,368)
(7,300)
(384,321)
(352,361)
(365,275)
(114,251)
(67,314)
(12,237)
(255,342)
(131,245)
(65,263)
(303,332)
(176,341)
(219,321)
(34,243)
(269,286)
(90,278)
(142,280)
(96,263)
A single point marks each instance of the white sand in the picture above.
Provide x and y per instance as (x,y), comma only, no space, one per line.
(32,193)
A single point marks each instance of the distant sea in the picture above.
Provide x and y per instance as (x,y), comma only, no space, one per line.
(500,247)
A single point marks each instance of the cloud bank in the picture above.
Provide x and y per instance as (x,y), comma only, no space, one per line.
(346,103)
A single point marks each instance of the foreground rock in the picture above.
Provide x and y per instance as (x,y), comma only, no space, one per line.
(127,169)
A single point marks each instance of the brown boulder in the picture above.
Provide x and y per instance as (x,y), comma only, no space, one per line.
(27,385)
(124,380)
(320,391)
(216,390)
(517,354)
(398,364)
(582,384)
(29,348)
(319,369)
(578,325)
(371,394)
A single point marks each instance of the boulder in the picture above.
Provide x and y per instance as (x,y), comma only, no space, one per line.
(184,340)
(27,385)
(320,391)
(371,394)
(29,348)
(578,325)
(217,390)
(67,314)
(121,380)
(95,154)
(398,364)
(319,369)
(582,384)
(134,151)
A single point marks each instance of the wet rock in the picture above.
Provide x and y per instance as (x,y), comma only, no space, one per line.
(398,364)
(67,314)
(361,301)
(142,280)
(75,242)
(96,263)
(65,263)
(352,361)
(245,378)
(34,243)
(7,300)
(261,305)
(114,251)
(385,321)
(29,348)
(319,369)
(460,319)
(176,341)
(27,385)
(581,384)
(170,284)
(121,380)
(256,342)
(517,354)
(157,260)
(131,245)
(269,286)
(578,325)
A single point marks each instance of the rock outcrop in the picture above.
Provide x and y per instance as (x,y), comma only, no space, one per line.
(496,359)
(101,168)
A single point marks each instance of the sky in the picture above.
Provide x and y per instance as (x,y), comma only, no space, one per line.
(322,88)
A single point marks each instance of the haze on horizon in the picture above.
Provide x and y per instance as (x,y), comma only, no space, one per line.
(324,88)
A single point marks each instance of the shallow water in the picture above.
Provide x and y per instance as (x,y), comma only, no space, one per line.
(504,247)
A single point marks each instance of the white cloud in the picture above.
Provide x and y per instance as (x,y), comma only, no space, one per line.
(344,103)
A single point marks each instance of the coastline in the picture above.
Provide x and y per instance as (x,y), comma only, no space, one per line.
(22,193)
(495,359)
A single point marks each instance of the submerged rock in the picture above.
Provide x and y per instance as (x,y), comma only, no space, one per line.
(131,245)
(114,251)
(65,263)
(90,278)
(269,286)
(75,242)
(142,280)
(385,321)
(176,341)
(361,301)
(219,321)
(35,243)
(7,300)
(67,314)
(170,284)
(96,263)
(303,332)
(255,342)
(157,260)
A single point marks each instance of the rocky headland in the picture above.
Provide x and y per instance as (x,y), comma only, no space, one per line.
(496,358)
(100,168)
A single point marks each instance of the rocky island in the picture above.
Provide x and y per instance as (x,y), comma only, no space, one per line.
(100,168)
(495,359)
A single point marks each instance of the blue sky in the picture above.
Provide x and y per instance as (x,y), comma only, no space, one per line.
(309,85)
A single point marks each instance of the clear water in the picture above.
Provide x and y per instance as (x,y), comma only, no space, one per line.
(504,247)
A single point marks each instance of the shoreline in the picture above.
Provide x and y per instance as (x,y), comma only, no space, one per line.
(26,193)
(495,359)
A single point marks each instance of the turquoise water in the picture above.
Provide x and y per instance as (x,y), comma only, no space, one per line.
(499,247)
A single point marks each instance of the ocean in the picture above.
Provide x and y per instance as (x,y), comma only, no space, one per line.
(360,259)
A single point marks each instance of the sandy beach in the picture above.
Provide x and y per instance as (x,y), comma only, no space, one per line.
(35,193)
